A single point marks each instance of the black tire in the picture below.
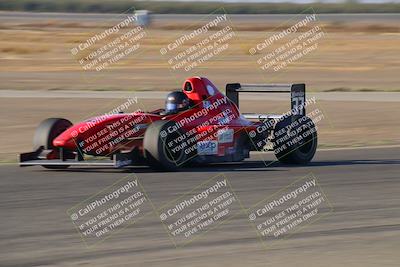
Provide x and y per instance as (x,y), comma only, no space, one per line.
(295,143)
(241,148)
(158,153)
(46,132)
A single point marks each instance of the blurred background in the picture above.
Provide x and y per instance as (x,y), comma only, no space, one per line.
(354,70)
(353,73)
(360,51)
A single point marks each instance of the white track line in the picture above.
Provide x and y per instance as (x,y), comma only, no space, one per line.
(342,148)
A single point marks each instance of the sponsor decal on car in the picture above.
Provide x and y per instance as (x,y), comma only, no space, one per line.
(207,147)
(225,136)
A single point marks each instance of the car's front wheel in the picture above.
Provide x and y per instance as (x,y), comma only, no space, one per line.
(46,132)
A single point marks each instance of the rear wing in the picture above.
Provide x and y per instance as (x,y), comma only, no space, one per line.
(297,93)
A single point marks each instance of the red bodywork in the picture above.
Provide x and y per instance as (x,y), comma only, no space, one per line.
(106,135)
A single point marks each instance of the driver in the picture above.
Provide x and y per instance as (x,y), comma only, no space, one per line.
(176,101)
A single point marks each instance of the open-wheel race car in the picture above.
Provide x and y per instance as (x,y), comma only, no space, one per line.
(198,125)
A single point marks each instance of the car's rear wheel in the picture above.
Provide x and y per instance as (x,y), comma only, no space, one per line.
(295,143)
(46,132)
(163,146)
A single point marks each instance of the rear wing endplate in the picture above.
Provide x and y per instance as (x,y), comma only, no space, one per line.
(297,93)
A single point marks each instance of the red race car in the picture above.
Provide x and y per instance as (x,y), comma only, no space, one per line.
(198,125)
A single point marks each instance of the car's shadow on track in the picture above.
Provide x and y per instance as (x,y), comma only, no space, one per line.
(327,163)
(246,166)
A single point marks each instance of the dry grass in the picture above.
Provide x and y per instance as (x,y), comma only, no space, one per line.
(23,50)
(334,26)
(355,57)
(331,27)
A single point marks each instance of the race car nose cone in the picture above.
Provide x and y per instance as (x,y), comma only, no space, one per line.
(59,142)
(65,141)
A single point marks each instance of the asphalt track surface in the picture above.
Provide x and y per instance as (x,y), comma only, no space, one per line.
(363,186)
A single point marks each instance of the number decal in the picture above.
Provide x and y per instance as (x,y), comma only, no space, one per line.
(298,105)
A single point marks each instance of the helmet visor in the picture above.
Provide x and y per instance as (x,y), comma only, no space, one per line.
(171,107)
